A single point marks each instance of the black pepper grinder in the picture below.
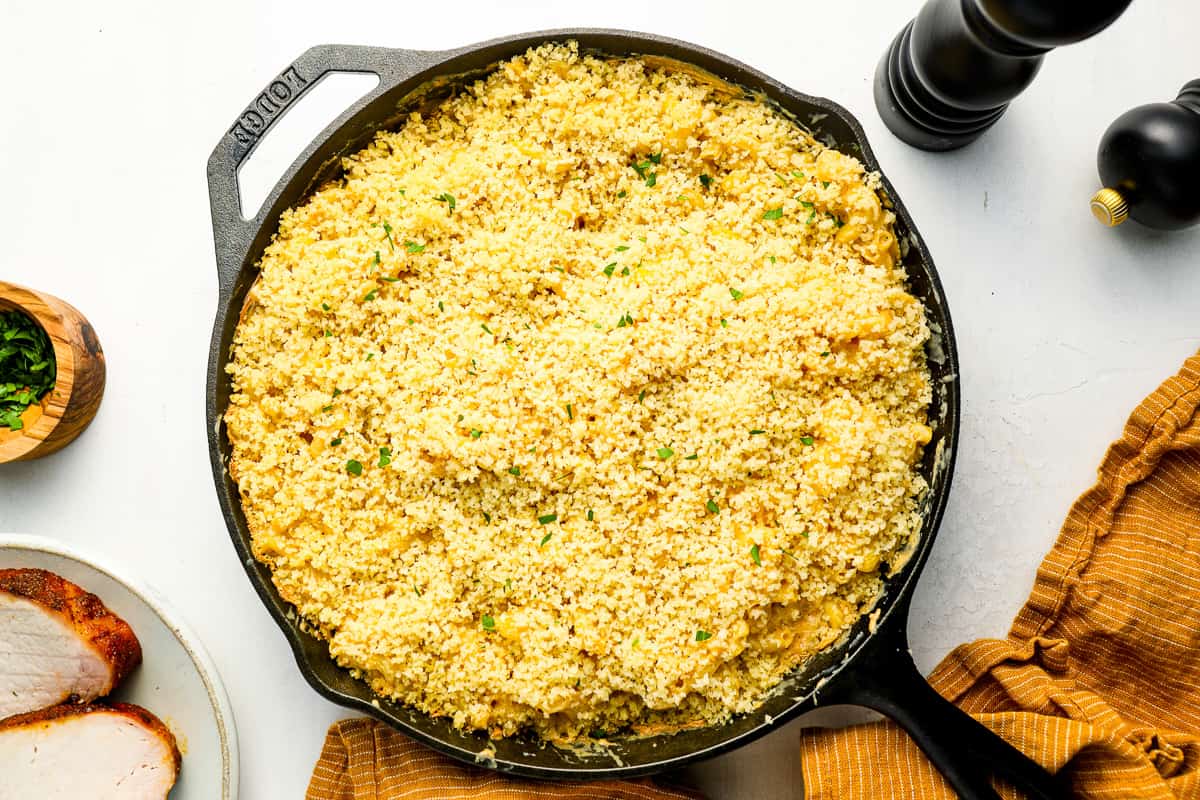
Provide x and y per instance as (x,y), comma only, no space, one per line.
(950,74)
(1149,162)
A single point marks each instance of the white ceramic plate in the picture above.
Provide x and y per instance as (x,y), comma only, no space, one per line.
(176,681)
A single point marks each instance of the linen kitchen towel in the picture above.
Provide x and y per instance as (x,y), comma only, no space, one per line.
(366,760)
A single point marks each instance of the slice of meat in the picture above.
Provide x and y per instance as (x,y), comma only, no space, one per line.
(114,752)
(58,643)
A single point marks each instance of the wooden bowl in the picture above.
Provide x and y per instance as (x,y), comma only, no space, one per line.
(69,407)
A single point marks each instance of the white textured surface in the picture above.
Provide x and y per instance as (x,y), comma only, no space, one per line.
(110,111)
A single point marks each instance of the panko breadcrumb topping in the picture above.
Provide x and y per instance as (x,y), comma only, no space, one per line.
(590,400)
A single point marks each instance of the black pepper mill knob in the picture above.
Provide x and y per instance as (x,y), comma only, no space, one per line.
(950,74)
(1149,162)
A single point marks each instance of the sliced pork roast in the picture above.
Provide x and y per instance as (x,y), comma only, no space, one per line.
(58,643)
(72,752)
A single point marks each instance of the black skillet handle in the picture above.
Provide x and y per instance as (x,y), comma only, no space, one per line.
(966,752)
(231,230)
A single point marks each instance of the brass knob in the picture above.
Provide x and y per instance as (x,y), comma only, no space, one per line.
(1110,207)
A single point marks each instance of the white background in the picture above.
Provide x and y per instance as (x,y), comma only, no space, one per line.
(108,113)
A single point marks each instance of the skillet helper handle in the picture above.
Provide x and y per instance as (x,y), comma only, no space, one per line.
(965,751)
(231,230)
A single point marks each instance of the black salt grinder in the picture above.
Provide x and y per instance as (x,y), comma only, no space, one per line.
(1149,162)
(950,74)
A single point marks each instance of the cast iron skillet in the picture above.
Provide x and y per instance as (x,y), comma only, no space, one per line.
(871,667)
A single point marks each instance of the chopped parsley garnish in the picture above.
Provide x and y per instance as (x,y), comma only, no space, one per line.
(476,433)
(724,322)
(410,320)
(441,306)
(448,199)
(702,636)
(825,354)
(387,231)
(590,515)
(641,396)
(324,306)
(757,432)
(353,467)
(798,174)
(622,193)
(488,623)
(514,470)
(812,215)
(413,247)
(825,184)
(371,295)
(706,181)
(642,168)
(570,412)
(665,452)
(370,356)
(507,585)
(806,204)
(387,279)
(487,517)
(736,294)
(335,441)
(486,328)
(692,457)
(609,268)
(771,259)
(545,539)
(377,262)
(327,408)
(385,456)
(625,272)
(546,519)
(621,248)
(626,319)
(755,555)
(806,440)
(773,213)
(712,506)
(642,239)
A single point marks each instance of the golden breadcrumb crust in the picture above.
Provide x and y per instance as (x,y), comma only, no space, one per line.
(589,400)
